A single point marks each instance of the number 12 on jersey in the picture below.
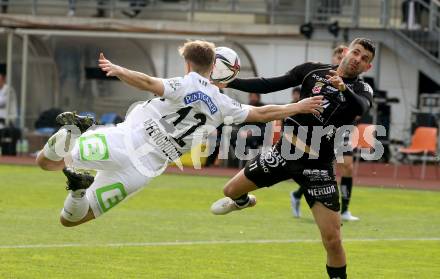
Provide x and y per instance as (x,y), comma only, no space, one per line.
(171,121)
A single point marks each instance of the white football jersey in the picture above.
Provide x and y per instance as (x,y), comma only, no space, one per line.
(190,107)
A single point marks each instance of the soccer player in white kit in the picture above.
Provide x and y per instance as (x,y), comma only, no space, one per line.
(154,133)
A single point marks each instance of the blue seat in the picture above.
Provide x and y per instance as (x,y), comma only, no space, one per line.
(88,113)
(46,131)
(110,118)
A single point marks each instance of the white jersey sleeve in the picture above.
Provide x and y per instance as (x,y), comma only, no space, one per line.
(172,88)
(232,111)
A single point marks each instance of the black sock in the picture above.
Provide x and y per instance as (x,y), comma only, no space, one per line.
(337,272)
(242,200)
(346,187)
(298,193)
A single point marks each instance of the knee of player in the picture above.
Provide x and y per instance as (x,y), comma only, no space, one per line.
(332,241)
(347,169)
(47,164)
(42,162)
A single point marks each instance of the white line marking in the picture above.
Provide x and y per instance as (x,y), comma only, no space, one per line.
(207,242)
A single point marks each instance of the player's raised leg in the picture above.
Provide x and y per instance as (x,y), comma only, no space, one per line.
(61,143)
(57,147)
(236,195)
(76,208)
(91,197)
(329,223)
(265,170)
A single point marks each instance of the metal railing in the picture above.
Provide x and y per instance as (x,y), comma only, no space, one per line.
(115,8)
(351,13)
(408,15)
(434,23)
(320,11)
(422,26)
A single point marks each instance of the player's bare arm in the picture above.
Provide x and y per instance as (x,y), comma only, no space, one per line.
(136,79)
(276,112)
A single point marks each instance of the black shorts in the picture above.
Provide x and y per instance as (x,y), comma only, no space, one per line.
(317,179)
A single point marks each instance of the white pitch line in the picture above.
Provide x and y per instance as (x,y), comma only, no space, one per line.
(213,242)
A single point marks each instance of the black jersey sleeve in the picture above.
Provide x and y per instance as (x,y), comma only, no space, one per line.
(361,96)
(262,85)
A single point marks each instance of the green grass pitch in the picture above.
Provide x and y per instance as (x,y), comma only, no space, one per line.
(167,231)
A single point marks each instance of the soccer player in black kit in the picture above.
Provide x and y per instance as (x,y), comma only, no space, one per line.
(346,166)
(345,97)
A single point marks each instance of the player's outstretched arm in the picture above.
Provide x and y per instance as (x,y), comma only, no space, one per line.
(136,79)
(261,85)
(274,112)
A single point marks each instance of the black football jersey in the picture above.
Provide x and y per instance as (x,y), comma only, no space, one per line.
(339,108)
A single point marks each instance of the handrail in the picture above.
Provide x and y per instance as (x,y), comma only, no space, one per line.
(426,38)
(349,13)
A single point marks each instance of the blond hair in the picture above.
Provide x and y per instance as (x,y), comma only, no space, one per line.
(201,54)
(339,49)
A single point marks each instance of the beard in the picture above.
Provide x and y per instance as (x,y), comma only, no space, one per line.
(349,69)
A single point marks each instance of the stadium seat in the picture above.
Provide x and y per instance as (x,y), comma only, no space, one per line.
(423,144)
(88,113)
(110,118)
(362,140)
(188,158)
(46,131)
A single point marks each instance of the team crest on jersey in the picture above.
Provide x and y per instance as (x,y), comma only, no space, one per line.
(317,88)
(174,83)
(200,96)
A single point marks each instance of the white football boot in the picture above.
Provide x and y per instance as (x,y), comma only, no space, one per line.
(346,216)
(296,205)
(225,205)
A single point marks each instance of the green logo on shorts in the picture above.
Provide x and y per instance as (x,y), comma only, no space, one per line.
(93,148)
(111,195)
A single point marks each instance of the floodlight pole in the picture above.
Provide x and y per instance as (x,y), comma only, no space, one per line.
(24,67)
(10,39)
(377,66)
(308,12)
(355,13)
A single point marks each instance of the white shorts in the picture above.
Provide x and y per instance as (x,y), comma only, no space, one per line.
(117,178)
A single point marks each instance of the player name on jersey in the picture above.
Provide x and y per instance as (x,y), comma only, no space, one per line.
(161,140)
